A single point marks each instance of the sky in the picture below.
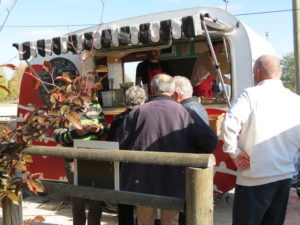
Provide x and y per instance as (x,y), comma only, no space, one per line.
(36,19)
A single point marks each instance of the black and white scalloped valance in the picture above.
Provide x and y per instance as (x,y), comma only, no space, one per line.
(114,37)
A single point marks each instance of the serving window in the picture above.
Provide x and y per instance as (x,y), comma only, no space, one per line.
(181,58)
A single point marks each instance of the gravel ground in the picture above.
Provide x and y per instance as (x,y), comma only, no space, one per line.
(57,210)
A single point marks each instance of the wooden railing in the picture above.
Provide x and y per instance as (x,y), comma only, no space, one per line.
(197,205)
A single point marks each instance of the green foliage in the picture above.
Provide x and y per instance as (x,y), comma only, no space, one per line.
(3,82)
(14,83)
(288,71)
(13,87)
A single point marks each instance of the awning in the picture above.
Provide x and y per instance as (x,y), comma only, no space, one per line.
(115,37)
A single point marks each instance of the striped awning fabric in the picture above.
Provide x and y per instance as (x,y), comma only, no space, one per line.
(114,37)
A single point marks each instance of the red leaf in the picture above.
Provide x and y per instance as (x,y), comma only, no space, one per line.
(48,66)
(35,219)
(59,96)
(36,176)
(37,84)
(27,116)
(11,66)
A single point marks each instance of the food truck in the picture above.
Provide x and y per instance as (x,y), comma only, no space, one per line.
(182,36)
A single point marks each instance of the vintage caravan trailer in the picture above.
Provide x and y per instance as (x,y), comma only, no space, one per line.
(181,35)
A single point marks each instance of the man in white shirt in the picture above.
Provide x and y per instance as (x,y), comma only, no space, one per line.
(261,132)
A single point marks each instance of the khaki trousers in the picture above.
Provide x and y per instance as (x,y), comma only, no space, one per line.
(147,216)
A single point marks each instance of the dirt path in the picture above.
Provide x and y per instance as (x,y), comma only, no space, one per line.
(57,210)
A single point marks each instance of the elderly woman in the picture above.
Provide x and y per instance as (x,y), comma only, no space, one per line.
(134,97)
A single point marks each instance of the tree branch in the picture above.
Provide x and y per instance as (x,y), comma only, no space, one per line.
(8,13)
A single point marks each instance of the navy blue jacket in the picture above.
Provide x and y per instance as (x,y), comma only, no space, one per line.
(161,125)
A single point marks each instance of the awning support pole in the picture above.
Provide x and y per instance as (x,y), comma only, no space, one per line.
(217,64)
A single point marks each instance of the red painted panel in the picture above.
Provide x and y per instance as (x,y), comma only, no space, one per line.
(225,170)
(51,167)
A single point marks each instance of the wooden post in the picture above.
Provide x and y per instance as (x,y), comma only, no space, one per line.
(296,20)
(199,196)
(12,213)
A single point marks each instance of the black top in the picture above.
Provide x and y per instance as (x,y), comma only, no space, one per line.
(115,124)
(142,69)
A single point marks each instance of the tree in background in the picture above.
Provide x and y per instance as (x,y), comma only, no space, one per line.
(14,83)
(288,71)
(3,82)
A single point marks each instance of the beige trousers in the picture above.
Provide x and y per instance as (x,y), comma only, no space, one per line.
(147,216)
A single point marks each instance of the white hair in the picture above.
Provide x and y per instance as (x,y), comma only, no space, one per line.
(135,96)
(163,83)
(183,86)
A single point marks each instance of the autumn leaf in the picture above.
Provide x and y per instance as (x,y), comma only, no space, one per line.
(63,79)
(33,183)
(75,115)
(66,77)
(37,184)
(86,98)
(13,197)
(11,66)
(36,175)
(69,88)
(48,66)
(27,116)
(53,99)
(21,166)
(39,219)
(59,96)
(75,121)
(37,84)
(64,109)
(35,219)
(78,101)
(41,119)
(4,88)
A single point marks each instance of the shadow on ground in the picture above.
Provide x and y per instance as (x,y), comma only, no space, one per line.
(57,209)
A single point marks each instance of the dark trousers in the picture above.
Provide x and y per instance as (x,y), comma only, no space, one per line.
(181,220)
(125,214)
(78,204)
(261,205)
(78,211)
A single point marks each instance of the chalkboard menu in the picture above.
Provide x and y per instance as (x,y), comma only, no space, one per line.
(59,66)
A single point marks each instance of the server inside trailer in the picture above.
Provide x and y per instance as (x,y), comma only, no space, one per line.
(181,58)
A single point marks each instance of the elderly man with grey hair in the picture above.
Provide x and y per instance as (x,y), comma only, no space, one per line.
(183,94)
(162,125)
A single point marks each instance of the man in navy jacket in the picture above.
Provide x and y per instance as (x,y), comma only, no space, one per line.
(161,125)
